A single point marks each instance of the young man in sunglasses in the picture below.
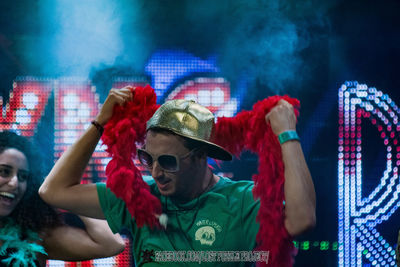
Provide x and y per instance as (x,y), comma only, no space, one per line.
(205,212)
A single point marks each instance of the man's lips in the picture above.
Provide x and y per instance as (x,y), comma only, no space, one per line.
(162,184)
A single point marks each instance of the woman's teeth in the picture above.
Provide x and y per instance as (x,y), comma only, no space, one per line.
(7,195)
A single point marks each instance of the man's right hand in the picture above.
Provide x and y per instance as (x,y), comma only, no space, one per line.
(116,96)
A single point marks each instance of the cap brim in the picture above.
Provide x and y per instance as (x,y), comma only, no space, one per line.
(217,152)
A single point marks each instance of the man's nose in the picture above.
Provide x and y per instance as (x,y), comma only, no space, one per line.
(156,170)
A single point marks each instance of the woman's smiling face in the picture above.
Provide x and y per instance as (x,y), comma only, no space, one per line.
(14,173)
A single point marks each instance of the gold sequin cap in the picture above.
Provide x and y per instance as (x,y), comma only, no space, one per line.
(189,119)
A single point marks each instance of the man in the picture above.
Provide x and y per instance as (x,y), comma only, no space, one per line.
(206,212)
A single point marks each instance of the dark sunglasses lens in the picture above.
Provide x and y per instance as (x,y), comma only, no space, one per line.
(168,162)
(145,158)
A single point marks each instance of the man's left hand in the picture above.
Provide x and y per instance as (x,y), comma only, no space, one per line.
(281,117)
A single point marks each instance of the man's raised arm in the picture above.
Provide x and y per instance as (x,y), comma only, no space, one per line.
(62,187)
(299,187)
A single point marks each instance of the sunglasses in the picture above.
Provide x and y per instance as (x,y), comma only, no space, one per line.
(169,163)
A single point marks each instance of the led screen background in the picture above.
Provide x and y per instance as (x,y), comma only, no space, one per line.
(227,61)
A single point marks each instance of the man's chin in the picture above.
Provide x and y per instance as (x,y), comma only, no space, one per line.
(165,191)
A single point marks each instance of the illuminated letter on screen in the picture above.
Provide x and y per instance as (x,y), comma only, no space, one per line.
(358,213)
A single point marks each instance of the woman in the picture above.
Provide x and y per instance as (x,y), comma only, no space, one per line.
(30,230)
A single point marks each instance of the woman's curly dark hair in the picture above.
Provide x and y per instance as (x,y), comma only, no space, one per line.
(31,212)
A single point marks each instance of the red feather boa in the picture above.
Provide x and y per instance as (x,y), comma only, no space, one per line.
(126,128)
(247,130)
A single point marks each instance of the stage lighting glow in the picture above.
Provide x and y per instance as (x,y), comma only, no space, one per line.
(167,67)
(358,216)
(30,100)
(26,105)
(214,93)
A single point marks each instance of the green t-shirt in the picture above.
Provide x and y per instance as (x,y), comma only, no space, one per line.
(222,219)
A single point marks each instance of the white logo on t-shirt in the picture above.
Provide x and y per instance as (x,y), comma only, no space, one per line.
(206,235)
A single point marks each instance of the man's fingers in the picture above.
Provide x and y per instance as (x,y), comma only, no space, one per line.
(267,117)
(283,102)
(121,92)
(124,93)
(283,108)
(128,90)
(117,98)
(120,100)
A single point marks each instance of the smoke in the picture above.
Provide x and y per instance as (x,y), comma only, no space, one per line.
(87,34)
(263,40)
(267,42)
(76,37)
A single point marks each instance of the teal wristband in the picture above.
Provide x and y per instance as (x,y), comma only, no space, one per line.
(287,136)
